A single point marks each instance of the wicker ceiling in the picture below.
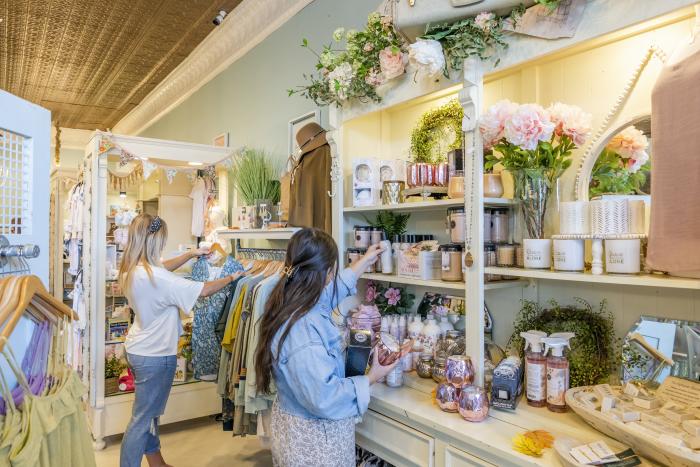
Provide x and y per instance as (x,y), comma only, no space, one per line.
(91,61)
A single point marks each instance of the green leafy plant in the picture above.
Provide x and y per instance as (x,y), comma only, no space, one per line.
(388,300)
(610,175)
(392,224)
(593,355)
(551,5)
(113,367)
(356,71)
(254,175)
(433,128)
(482,36)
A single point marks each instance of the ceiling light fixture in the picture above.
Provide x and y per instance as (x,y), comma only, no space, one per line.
(195,164)
(219,18)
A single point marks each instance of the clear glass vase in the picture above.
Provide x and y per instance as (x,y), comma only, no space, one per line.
(532,190)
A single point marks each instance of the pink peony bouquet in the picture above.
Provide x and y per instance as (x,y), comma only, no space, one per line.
(631,144)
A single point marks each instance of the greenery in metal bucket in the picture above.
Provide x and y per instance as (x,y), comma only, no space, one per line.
(255,176)
(593,355)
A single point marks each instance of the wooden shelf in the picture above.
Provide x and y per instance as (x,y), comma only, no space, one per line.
(641,280)
(258,234)
(438,284)
(428,205)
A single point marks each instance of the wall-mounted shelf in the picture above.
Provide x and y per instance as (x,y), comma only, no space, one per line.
(394,279)
(642,280)
(258,234)
(435,205)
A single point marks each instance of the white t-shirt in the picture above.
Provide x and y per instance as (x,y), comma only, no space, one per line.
(157,303)
(199,195)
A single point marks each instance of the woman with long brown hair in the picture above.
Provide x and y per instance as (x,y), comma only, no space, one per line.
(313,418)
(156,296)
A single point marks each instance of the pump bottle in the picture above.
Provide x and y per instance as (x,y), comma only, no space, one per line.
(535,368)
(557,372)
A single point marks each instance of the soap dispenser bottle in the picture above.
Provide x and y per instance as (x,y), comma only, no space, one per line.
(557,372)
(535,368)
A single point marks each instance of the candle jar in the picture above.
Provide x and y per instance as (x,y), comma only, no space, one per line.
(376,235)
(499,226)
(459,370)
(412,175)
(473,403)
(519,255)
(451,336)
(426,175)
(455,188)
(438,370)
(430,265)
(490,260)
(447,397)
(362,236)
(622,256)
(354,254)
(388,349)
(441,174)
(487,225)
(451,262)
(505,255)
(392,192)
(538,253)
(424,368)
(568,255)
(456,222)
(394,379)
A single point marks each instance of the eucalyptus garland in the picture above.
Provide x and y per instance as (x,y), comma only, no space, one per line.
(434,126)
(593,355)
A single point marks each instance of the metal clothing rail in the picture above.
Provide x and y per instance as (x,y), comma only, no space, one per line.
(273,254)
(13,258)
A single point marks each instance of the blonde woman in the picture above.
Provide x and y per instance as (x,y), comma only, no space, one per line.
(157,296)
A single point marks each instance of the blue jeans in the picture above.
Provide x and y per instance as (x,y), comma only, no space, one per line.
(153,379)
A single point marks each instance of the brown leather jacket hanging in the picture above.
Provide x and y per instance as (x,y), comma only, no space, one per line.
(309,204)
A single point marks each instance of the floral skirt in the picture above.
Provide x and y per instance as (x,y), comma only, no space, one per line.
(303,442)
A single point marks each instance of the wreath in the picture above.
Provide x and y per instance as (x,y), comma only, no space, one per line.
(435,126)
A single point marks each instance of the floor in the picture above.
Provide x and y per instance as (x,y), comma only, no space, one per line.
(197,443)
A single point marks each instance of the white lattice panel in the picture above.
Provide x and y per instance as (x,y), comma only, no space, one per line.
(15,184)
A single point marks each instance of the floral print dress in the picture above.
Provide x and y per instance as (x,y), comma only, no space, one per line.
(206,348)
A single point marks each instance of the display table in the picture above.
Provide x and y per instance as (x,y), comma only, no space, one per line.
(405,427)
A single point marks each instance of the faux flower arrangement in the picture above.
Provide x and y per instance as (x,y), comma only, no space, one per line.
(535,145)
(389,300)
(623,166)
(371,57)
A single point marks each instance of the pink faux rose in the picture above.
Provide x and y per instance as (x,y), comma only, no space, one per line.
(637,160)
(392,295)
(629,142)
(392,62)
(373,78)
(528,125)
(492,124)
(571,121)
(371,294)
(483,20)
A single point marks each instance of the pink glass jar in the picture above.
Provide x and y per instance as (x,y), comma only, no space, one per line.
(459,370)
(447,397)
(473,403)
(441,173)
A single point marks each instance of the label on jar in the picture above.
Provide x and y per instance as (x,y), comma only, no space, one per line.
(557,384)
(536,382)
(445,261)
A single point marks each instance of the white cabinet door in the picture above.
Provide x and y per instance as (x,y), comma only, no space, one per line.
(395,442)
(25,136)
(453,457)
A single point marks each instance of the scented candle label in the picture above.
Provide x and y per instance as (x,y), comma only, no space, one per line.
(445,261)
(556,385)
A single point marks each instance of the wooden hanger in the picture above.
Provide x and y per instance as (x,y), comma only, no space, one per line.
(32,295)
(216,248)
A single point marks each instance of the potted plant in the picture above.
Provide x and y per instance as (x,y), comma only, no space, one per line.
(623,167)
(392,224)
(535,146)
(113,368)
(255,176)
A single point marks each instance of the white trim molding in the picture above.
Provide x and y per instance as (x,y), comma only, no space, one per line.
(244,28)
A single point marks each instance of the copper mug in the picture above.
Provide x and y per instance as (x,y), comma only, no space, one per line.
(388,348)
(459,370)
(473,403)
(447,397)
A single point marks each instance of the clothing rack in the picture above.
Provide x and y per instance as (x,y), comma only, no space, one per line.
(13,258)
(273,254)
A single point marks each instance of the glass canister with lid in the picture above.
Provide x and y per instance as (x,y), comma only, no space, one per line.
(363,235)
(452,262)
(456,222)
(500,226)
(424,367)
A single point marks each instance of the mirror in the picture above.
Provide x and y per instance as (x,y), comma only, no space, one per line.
(677,339)
(623,162)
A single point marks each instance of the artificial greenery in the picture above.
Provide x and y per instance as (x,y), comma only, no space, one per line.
(635,365)
(593,355)
(482,36)
(433,128)
(610,175)
(254,176)
(551,5)
(392,224)
(353,72)
(113,367)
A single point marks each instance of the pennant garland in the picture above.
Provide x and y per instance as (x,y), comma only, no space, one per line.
(148,168)
(170,174)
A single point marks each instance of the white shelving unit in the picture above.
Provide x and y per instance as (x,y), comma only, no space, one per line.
(434,205)
(258,234)
(109,415)
(639,280)
(394,279)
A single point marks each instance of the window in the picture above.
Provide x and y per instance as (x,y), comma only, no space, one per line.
(15,183)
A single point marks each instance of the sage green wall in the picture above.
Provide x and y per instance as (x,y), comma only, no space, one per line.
(249,99)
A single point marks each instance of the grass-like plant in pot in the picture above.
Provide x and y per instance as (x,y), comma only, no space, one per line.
(255,176)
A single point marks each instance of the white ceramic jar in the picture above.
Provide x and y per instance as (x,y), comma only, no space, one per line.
(568,255)
(538,253)
(622,256)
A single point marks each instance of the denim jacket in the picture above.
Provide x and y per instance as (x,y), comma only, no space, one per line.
(310,370)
